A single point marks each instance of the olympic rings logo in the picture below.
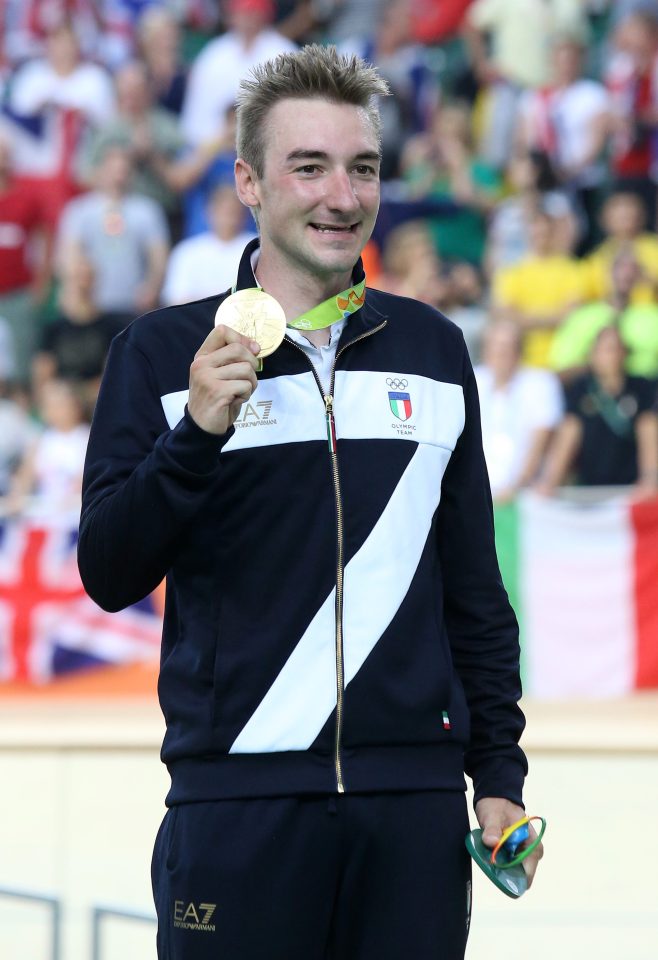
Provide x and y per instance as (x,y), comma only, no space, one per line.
(394,384)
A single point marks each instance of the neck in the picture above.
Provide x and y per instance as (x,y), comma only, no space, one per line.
(502,378)
(611,382)
(297,290)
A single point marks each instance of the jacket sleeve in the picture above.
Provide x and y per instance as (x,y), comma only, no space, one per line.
(482,627)
(143,483)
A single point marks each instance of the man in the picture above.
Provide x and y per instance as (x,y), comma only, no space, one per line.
(329,626)
(568,121)
(636,321)
(148,131)
(199,266)
(507,45)
(540,290)
(25,230)
(521,407)
(216,72)
(123,234)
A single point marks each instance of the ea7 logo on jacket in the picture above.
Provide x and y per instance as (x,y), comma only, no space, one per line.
(255,415)
(193,916)
(399,400)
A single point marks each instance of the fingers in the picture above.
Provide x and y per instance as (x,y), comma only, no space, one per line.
(531,863)
(222,378)
(221,336)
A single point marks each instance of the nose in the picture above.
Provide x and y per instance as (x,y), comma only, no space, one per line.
(341,197)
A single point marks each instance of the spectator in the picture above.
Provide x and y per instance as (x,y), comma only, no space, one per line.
(217,71)
(65,96)
(120,23)
(17,434)
(410,264)
(521,407)
(465,304)
(539,291)
(623,219)
(24,258)
(123,234)
(609,436)
(568,121)
(637,324)
(507,42)
(437,21)
(535,190)
(632,77)
(159,46)
(207,264)
(442,164)
(51,471)
(75,345)
(345,21)
(149,132)
(405,66)
(26,25)
(200,170)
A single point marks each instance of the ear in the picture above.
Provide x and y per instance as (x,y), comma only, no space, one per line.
(246,184)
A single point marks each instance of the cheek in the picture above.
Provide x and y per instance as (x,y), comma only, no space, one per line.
(368,195)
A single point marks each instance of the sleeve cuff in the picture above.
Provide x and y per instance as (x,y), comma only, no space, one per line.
(193,448)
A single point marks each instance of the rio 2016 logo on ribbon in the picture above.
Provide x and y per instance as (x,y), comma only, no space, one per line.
(399,400)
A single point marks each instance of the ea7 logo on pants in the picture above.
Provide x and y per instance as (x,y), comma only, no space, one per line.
(194,916)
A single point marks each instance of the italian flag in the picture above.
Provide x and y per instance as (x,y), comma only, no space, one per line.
(583,580)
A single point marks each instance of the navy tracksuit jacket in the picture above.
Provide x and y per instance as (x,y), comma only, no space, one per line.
(335,620)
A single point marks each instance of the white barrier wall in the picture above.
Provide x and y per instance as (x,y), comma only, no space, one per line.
(81,798)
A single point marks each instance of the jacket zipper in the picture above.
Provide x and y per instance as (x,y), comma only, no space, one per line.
(331,441)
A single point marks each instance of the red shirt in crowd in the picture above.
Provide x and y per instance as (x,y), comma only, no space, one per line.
(21,213)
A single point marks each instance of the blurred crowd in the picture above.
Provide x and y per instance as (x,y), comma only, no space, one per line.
(519,197)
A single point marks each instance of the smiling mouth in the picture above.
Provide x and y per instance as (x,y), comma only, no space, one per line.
(335,227)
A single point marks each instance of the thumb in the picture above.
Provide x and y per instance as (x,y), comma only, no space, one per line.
(492,831)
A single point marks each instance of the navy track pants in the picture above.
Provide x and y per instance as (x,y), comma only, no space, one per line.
(345,877)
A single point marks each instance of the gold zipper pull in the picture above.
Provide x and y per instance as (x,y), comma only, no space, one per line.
(331,425)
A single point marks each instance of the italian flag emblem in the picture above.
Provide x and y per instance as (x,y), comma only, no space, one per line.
(400,404)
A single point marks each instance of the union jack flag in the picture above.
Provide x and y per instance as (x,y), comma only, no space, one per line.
(48,625)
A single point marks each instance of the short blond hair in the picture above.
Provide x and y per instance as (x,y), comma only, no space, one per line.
(314,72)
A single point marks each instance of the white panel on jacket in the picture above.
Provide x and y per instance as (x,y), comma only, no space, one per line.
(367,405)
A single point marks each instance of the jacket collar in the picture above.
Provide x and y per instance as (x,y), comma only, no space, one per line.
(357,324)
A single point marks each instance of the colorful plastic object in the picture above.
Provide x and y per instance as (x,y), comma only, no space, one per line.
(503,864)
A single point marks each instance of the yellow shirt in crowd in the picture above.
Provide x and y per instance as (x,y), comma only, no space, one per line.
(539,287)
(597,268)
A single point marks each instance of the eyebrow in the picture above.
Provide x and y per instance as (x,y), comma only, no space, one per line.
(322,155)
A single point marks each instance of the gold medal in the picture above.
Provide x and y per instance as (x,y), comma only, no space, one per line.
(254,314)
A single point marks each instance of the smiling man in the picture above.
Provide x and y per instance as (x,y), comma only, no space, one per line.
(338,649)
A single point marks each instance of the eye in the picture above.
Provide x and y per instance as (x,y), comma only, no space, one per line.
(308,168)
(365,170)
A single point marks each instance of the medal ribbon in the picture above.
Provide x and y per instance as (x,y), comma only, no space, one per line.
(330,311)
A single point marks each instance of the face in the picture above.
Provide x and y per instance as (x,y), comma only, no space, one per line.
(115,170)
(132,89)
(79,274)
(319,194)
(62,48)
(608,354)
(622,216)
(501,348)
(541,235)
(637,39)
(566,62)
(59,406)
